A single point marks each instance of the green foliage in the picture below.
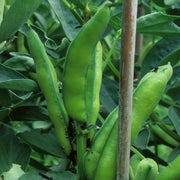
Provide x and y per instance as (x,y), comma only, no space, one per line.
(29,147)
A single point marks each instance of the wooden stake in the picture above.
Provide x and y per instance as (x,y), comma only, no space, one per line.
(126,87)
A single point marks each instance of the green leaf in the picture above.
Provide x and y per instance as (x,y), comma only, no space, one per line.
(174,115)
(14,173)
(173,87)
(10,79)
(5,99)
(32,175)
(47,143)
(142,139)
(166,49)
(30,113)
(62,166)
(12,151)
(174,154)
(66,18)
(20,63)
(36,175)
(3,113)
(50,44)
(1,10)
(175,79)
(108,95)
(159,2)
(158,24)
(174,94)
(66,175)
(17,15)
(171,2)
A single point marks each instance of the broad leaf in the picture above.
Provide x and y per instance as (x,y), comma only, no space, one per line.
(20,63)
(66,175)
(174,154)
(14,173)
(171,2)
(174,115)
(17,15)
(1,10)
(47,143)
(12,151)
(158,24)
(164,51)
(108,95)
(30,113)
(142,139)
(66,18)
(35,175)
(10,79)
(175,79)
(3,113)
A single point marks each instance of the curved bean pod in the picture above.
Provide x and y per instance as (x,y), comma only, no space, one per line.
(47,81)
(76,64)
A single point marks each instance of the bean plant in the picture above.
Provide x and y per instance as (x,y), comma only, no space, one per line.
(59,90)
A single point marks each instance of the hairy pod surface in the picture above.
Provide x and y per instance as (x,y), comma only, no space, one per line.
(47,81)
(77,61)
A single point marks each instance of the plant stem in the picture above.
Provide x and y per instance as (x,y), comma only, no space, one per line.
(118,35)
(154,117)
(134,150)
(72,9)
(114,70)
(81,149)
(101,119)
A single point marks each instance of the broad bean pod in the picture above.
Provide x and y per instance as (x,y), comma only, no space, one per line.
(145,98)
(147,170)
(92,156)
(160,133)
(134,161)
(47,81)
(77,62)
(93,84)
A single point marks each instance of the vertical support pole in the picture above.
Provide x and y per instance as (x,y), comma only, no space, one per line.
(126,87)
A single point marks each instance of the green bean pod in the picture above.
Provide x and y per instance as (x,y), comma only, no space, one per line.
(20,44)
(47,81)
(106,167)
(160,133)
(145,98)
(94,77)
(171,172)
(147,170)
(77,61)
(91,158)
(147,95)
(134,161)
(102,135)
